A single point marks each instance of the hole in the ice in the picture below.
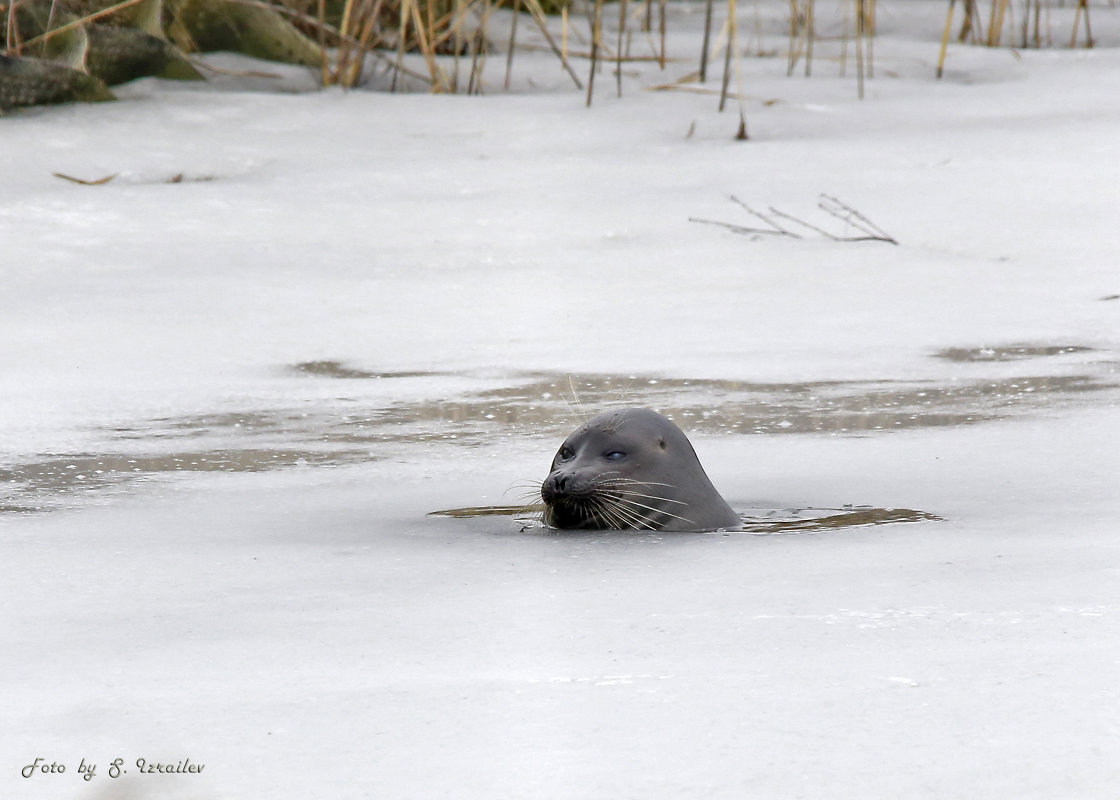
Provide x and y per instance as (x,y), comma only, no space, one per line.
(486,409)
(756,521)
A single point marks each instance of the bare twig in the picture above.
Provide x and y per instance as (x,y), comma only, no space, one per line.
(827,203)
(778,228)
(845,212)
(83,182)
(802,223)
(743,229)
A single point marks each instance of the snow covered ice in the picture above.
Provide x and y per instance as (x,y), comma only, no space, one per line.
(228,404)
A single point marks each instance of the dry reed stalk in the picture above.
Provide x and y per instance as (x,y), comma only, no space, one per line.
(564,31)
(607,54)
(1082,5)
(683,86)
(870,31)
(618,51)
(810,35)
(402,34)
(995,24)
(972,28)
(542,22)
(11,35)
(43,37)
(707,36)
(861,25)
(427,49)
(661,22)
(478,43)
(458,36)
(945,38)
(365,35)
(361,43)
(324,65)
(512,37)
(50,23)
(1036,7)
(343,54)
(732,28)
(596,34)
(859,48)
(794,38)
(802,32)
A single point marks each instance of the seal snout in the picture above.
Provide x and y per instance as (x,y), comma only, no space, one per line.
(561,485)
(552,486)
(564,503)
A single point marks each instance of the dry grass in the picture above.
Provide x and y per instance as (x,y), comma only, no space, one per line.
(1033,26)
(453,38)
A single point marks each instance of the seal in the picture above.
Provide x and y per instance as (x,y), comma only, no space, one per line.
(632,469)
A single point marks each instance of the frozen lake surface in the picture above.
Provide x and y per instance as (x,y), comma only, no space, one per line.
(229,403)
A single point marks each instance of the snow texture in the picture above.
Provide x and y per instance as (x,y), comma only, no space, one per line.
(357,308)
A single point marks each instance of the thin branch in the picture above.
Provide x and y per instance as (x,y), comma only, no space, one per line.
(764,218)
(827,203)
(845,212)
(803,223)
(741,228)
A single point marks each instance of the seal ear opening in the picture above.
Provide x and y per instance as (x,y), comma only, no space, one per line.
(661,443)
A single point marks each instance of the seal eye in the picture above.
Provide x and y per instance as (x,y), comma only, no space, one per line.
(566,453)
(614,455)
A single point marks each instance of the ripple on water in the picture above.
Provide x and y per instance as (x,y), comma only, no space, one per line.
(757,521)
(316,427)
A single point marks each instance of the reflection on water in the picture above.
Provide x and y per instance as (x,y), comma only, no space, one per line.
(767,521)
(37,485)
(1011,352)
(336,369)
(364,426)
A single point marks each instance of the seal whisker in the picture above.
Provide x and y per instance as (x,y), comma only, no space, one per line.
(603,514)
(630,509)
(617,482)
(617,514)
(632,482)
(622,492)
(628,515)
(581,415)
(610,517)
(657,510)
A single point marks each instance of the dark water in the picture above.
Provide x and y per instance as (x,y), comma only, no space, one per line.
(355,424)
(755,521)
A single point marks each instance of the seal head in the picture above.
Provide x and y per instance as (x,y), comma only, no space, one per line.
(632,469)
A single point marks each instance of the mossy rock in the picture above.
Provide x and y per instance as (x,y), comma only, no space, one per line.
(210,25)
(109,52)
(35,81)
(118,55)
